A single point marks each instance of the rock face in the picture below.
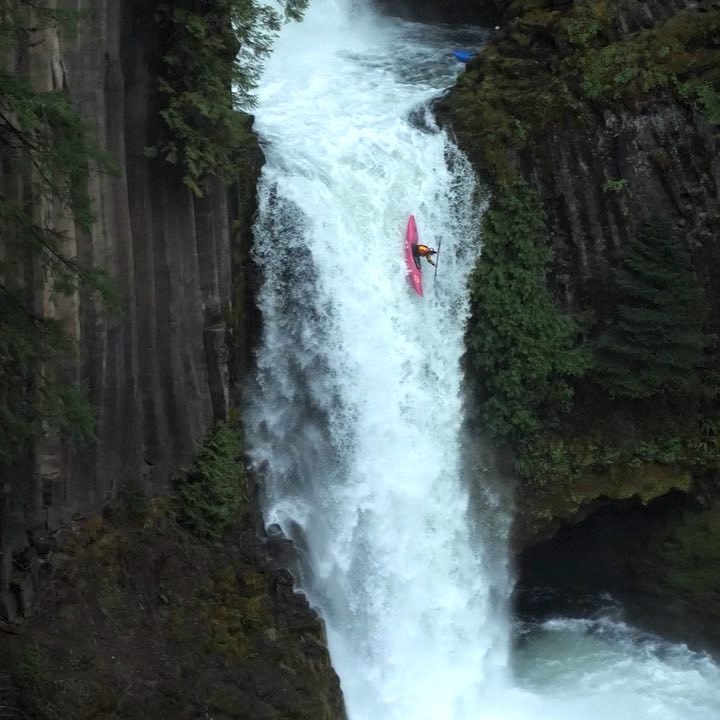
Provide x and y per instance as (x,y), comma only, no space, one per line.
(605,153)
(158,372)
(608,110)
(132,616)
(660,559)
(441,11)
(237,642)
(554,99)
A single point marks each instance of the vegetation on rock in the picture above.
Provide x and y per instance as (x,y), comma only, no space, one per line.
(617,131)
(212,491)
(655,344)
(172,627)
(573,397)
(640,392)
(528,358)
(522,348)
(211,66)
(551,68)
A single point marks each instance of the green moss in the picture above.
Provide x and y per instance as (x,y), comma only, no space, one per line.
(501,104)
(679,55)
(39,692)
(622,451)
(549,69)
(709,99)
(236,610)
(584,22)
(567,475)
(685,570)
(170,626)
(614,185)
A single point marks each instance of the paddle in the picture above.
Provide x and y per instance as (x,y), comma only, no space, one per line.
(437,259)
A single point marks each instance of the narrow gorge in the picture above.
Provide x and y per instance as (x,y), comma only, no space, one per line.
(501,502)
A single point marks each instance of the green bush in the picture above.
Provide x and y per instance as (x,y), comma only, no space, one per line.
(213,490)
(614,185)
(211,66)
(521,347)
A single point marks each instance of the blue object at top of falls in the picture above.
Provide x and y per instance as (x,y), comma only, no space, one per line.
(357,414)
(463,55)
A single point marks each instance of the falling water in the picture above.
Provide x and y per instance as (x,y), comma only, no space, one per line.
(357,414)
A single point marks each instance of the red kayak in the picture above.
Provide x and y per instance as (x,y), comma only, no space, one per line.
(413,262)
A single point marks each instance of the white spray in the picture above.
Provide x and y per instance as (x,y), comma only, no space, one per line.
(358,411)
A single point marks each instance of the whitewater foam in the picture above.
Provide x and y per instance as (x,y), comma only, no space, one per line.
(358,412)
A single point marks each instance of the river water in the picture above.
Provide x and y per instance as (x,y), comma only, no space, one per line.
(357,415)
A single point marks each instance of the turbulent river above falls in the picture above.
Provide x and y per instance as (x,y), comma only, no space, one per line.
(357,414)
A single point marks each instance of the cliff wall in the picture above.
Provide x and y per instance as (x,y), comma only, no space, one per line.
(236,643)
(157,371)
(606,113)
(97,617)
(588,104)
(600,108)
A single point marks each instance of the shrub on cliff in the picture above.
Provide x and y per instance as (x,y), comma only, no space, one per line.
(212,491)
(521,347)
(655,343)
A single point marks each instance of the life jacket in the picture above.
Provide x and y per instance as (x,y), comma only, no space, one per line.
(423,250)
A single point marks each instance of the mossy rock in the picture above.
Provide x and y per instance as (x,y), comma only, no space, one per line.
(684,566)
(542,510)
(172,626)
(550,69)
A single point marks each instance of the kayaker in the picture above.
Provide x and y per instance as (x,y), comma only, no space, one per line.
(424,251)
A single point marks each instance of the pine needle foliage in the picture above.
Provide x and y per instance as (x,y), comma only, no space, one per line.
(48,154)
(655,343)
(212,62)
(211,493)
(522,349)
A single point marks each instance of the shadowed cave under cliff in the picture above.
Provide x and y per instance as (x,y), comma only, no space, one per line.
(658,560)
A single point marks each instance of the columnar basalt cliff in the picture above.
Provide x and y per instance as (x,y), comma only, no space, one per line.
(589,120)
(157,370)
(622,137)
(81,539)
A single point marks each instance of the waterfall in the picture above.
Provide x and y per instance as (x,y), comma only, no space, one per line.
(356,418)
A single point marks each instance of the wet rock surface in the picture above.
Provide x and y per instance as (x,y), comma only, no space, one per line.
(164,367)
(660,560)
(138,619)
(598,106)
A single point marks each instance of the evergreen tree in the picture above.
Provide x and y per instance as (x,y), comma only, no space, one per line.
(212,58)
(655,343)
(48,154)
